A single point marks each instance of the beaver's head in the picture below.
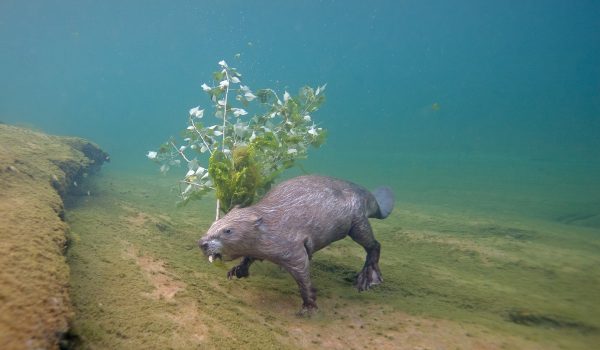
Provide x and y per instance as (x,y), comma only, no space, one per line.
(233,236)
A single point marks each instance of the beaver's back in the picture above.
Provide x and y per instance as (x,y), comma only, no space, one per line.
(320,191)
(318,204)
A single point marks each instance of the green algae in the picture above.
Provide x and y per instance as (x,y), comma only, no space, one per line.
(442,270)
(236,180)
(35,170)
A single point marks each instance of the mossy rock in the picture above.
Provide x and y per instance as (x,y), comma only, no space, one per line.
(35,170)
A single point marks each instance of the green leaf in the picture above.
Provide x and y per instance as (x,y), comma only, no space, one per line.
(218,75)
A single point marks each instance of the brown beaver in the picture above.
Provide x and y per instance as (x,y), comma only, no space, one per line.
(295,219)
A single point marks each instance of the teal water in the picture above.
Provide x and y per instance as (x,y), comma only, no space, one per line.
(469,105)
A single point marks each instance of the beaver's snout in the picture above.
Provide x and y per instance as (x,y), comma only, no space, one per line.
(202,245)
(211,248)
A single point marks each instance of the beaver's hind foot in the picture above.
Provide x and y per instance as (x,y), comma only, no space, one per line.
(308,309)
(368,277)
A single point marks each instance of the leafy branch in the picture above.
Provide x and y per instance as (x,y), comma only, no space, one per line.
(246,151)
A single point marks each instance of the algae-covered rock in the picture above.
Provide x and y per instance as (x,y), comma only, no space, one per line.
(35,170)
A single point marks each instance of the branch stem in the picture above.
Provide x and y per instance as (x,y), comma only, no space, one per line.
(218,210)
(180,152)
(201,137)
(225,110)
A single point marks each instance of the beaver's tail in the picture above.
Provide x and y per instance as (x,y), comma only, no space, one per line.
(385,200)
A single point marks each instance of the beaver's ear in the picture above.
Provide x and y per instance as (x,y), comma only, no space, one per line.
(258,223)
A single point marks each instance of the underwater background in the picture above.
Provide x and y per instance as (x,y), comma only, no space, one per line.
(467,104)
(483,116)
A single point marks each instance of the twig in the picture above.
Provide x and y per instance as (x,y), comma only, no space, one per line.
(218,210)
(225,110)
(180,152)
(201,137)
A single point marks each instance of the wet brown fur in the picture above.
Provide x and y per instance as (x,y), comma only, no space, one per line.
(293,221)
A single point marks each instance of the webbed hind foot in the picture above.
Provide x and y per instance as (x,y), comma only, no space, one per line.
(369,276)
(308,309)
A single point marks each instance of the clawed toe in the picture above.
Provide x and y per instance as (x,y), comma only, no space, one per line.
(367,278)
(307,310)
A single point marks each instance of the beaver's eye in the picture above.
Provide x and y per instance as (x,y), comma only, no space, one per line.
(228,231)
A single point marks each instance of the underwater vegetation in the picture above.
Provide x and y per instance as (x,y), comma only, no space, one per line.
(250,147)
(236,181)
(453,279)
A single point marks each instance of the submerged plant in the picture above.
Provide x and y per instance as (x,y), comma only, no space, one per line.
(258,136)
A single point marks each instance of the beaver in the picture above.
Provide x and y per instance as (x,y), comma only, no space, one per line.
(294,220)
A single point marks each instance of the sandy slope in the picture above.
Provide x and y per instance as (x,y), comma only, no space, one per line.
(451,281)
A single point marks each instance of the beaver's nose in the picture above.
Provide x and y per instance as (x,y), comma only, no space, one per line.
(203,246)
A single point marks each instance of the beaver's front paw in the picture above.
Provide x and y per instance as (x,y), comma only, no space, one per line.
(239,271)
(368,277)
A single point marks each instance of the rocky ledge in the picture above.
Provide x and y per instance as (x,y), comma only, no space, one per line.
(36,170)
